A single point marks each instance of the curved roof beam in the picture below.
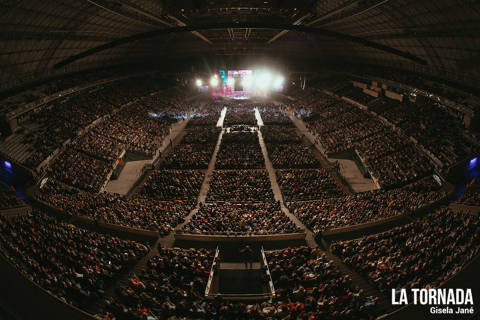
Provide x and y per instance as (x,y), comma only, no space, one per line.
(281,26)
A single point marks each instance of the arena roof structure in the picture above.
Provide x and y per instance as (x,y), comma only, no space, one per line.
(41,39)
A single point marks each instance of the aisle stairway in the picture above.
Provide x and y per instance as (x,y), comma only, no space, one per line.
(14,148)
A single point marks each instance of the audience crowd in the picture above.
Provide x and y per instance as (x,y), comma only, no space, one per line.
(307,184)
(74,264)
(189,156)
(173,185)
(388,155)
(98,146)
(77,265)
(240,134)
(357,94)
(239,156)
(195,150)
(400,167)
(51,125)
(292,155)
(426,252)
(207,116)
(271,116)
(432,126)
(240,115)
(134,212)
(80,170)
(171,285)
(280,134)
(240,185)
(310,286)
(201,134)
(140,128)
(229,218)
(8,197)
(321,215)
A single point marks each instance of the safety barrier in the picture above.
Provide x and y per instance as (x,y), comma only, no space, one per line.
(238,238)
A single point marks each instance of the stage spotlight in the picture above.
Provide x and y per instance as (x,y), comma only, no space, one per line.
(278,83)
(199,82)
(247,82)
(214,81)
(264,80)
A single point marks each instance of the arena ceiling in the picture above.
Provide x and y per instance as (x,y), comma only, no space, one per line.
(45,38)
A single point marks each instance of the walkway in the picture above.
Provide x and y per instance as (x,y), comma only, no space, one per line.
(208,175)
(133,169)
(352,175)
(258,117)
(310,239)
(465,208)
(222,117)
(348,168)
(168,241)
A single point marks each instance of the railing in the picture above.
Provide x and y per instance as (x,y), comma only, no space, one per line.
(16,211)
(179,235)
(212,271)
(270,282)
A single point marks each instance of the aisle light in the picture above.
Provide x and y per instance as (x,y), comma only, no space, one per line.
(7,164)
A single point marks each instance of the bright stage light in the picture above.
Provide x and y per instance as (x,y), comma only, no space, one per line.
(214,81)
(199,82)
(247,82)
(278,83)
(264,80)
(230,82)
